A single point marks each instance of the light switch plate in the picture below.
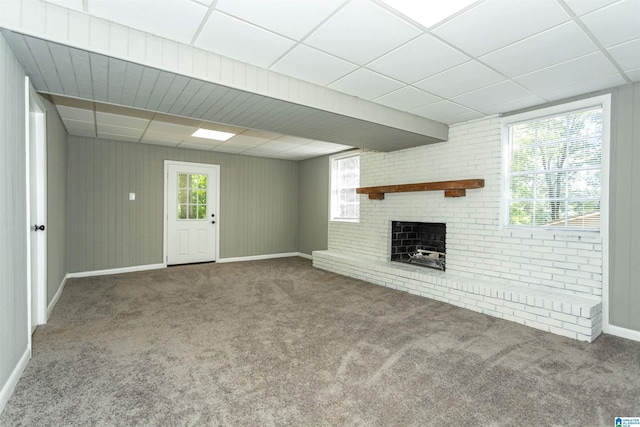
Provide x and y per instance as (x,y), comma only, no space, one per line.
(132,196)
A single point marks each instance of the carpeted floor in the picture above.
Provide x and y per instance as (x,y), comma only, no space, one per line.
(278,342)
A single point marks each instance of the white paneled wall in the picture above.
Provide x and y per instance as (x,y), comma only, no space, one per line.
(72,28)
(479,250)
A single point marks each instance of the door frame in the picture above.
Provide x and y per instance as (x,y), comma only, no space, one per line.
(165,250)
(33,105)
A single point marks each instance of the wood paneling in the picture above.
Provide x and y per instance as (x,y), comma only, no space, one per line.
(624,227)
(13,216)
(258,203)
(313,202)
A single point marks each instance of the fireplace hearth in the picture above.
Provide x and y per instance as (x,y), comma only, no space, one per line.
(419,243)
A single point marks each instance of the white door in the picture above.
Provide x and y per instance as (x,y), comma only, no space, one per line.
(36,135)
(192,212)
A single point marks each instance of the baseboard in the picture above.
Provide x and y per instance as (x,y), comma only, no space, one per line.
(618,331)
(56,297)
(307,256)
(10,385)
(116,270)
(257,257)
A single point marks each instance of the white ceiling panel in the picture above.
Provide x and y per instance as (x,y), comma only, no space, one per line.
(73,113)
(171,129)
(365,84)
(441,110)
(175,19)
(231,148)
(634,75)
(153,137)
(464,78)
(237,39)
(194,146)
(494,24)
(407,98)
(312,65)
(615,24)
(247,141)
(159,142)
(551,47)
(496,94)
(428,13)
(121,121)
(517,104)
(118,137)
(255,133)
(361,32)
(69,4)
(75,125)
(291,18)
(583,87)
(417,59)
(119,130)
(589,67)
(470,115)
(627,55)
(580,7)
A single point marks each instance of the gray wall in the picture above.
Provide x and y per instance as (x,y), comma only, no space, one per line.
(258,203)
(56,200)
(624,227)
(313,200)
(13,215)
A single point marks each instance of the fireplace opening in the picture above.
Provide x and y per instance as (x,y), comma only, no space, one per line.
(419,243)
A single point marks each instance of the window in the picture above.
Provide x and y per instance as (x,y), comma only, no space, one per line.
(345,178)
(192,196)
(554,168)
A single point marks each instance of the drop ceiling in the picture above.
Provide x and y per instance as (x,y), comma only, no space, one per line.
(491,56)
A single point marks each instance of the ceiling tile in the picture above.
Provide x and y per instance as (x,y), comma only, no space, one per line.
(73,113)
(152,137)
(309,64)
(471,115)
(171,128)
(429,13)
(247,141)
(580,7)
(204,2)
(551,47)
(615,24)
(417,59)
(174,19)
(365,84)
(231,37)
(73,125)
(119,130)
(261,134)
(440,110)
(361,32)
(291,18)
(517,104)
(159,142)
(121,121)
(582,69)
(604,82)
(117,137)
(627,55)
(497,23)
(634,75)
(496,94)
(463,78)
(407,98)
(229,148)
(193,146)
(123,111)
(69,4)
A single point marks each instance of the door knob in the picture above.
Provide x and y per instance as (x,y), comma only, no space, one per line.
(38,227)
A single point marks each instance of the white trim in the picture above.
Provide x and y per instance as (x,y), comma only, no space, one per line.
(258,257)
(332,159)
(303,255)
(56,297)
(604,206)
(115,271)
(27,170)
(12,381)
(629,334)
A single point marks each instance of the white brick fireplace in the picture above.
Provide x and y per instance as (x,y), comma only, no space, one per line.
(550,281)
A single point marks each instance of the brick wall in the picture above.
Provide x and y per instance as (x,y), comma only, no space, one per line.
(477,245)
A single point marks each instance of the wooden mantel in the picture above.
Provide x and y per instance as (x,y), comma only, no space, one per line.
(451,188)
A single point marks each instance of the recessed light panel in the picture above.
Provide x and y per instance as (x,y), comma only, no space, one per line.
(213,134)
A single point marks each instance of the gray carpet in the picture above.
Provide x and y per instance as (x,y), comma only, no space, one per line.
(278,342)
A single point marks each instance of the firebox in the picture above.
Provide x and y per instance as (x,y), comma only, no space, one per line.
(419,243)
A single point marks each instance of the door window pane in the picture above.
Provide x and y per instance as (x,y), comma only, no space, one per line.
(192,196)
